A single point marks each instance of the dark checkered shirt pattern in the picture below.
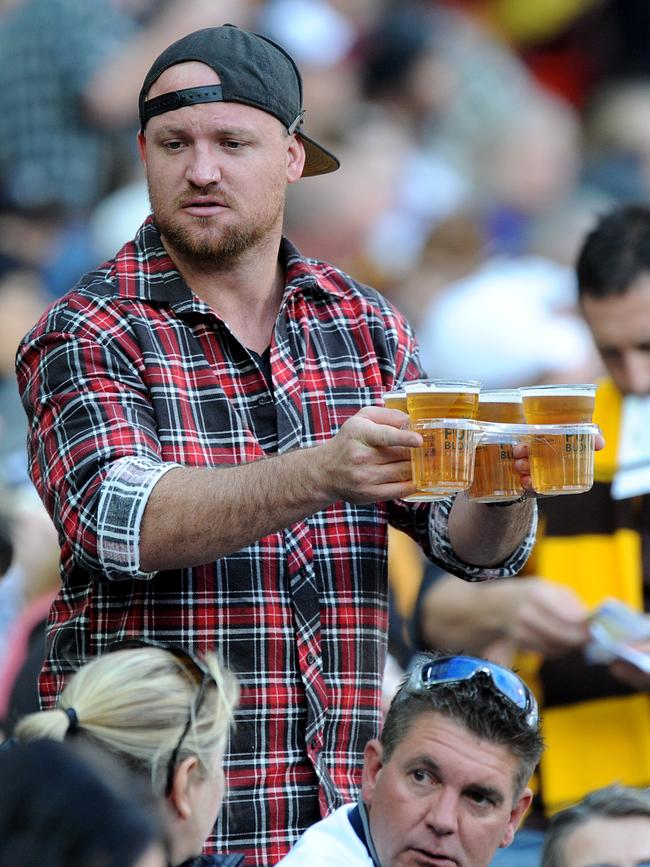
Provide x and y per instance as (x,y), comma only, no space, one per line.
(131,374)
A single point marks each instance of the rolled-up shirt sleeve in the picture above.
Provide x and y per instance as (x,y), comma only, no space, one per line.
(444,554)
(428,524)
(122,499)
(93,446)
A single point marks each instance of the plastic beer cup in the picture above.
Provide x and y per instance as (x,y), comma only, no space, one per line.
(397,400)
(443,411)
(562,458)
(558,404)
(428,399)
(561,443)
(501,416)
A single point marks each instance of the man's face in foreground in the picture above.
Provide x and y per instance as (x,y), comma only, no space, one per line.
(620,325)
(609,842)
(445,796)
(217,172)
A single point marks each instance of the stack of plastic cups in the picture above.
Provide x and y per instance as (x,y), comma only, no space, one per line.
(444,413)
(397,400)
(501,417)
(561,437)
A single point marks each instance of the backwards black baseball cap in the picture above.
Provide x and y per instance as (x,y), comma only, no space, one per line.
(253,71)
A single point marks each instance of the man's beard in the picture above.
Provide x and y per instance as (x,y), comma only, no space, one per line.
(220,247)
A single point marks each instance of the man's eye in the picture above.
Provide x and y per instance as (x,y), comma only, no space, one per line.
(480,799)
(173,145)
(421,776)
(232,145)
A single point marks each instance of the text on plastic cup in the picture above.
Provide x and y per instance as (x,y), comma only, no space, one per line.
(495,477)
(562,463)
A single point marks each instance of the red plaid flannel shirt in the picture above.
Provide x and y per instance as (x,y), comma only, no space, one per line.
(131,374)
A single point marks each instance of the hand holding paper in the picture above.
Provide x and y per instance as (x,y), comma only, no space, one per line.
(621,636)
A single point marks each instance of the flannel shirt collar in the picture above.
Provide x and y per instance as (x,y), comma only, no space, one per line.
(158,279)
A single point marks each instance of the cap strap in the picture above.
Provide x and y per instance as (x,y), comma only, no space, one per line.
(295,123)
(179,98)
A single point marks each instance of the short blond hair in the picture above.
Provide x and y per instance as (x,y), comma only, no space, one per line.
(135,703)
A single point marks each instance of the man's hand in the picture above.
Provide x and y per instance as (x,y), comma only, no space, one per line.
(522,464)
(530,614)
(369,459)
(541,616)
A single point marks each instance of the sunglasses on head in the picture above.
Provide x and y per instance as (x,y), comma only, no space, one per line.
(199,671)
(454,669)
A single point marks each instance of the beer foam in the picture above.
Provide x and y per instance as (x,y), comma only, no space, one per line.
(507,395)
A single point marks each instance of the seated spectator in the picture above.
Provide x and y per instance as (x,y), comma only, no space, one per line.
(608,828)
(61,810)
(447,780)
(166,715)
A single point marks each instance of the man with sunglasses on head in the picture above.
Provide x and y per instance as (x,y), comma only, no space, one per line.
(208,436)
(446,782)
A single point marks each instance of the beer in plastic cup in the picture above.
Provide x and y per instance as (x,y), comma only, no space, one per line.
(428,399)
(437,408)
(397,400)
(502,405)
(562,457)
(444,464)
(558,404)
(495,477)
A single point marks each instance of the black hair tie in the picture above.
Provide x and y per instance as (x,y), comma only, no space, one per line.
(73,719)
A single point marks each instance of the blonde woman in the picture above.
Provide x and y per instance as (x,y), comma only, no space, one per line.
(166,714)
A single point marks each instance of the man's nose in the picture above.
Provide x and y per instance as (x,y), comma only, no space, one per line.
(636,372)
(203,168)
(442,814)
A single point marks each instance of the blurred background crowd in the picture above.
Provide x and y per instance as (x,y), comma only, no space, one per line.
(478,141)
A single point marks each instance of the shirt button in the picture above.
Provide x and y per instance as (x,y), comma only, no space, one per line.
(311,659)
(314,744)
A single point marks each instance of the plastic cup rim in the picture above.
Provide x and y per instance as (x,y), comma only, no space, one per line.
(564,389)
(462,386)
(434,423)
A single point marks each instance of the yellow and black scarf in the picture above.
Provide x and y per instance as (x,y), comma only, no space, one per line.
(596,730)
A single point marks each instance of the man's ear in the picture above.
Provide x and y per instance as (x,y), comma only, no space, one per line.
(516,815)
(295,159)
(372,765)
(142,147)
(179,798)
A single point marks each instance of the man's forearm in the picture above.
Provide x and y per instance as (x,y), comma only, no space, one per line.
(196,515)
(485,536)
(461,616)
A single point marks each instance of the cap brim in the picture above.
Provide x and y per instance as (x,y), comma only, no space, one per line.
(318,160)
